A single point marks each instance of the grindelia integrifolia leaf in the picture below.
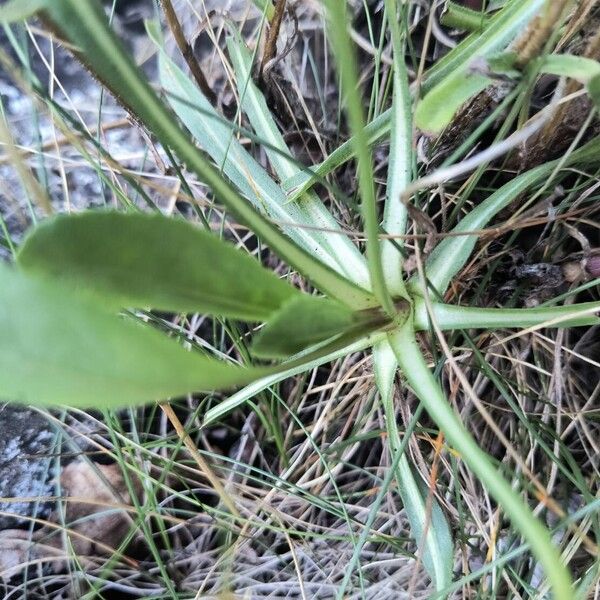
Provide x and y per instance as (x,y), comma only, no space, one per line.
(57,348)
(305,321)
(140,260)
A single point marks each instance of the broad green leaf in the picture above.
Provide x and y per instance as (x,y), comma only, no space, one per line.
(84,25)
(437,545)
(427,388)
(302,322)
(345,256)
(19,10)
(141,260)
(57,348)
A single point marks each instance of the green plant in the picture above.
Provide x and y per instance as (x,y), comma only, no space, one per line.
(82,353)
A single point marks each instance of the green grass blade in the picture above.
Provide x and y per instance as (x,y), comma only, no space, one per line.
(420,378)
(139,260)
(450,317)
(83,23)
(437,544)
(344,53)
(58,348)
(345,256)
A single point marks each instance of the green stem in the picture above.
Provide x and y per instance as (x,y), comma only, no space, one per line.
(430,393)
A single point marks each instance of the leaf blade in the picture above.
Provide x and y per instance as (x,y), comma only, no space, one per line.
(140,260)
(58,348)
(346,258)
(421,379)
(84,25)
(400,162)
(344,53)
(303,322)
(437,541)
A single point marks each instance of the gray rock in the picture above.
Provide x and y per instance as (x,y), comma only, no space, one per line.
(27,443)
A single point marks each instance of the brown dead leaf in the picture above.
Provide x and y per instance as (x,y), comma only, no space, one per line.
(96,502)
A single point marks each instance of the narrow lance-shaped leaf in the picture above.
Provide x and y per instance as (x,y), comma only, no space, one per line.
(450,317)
(400,161)
(303,362)
(305,321)
(437,546)
(346,258)
(83,23)
(140,260)
(57,348)
(422,381)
